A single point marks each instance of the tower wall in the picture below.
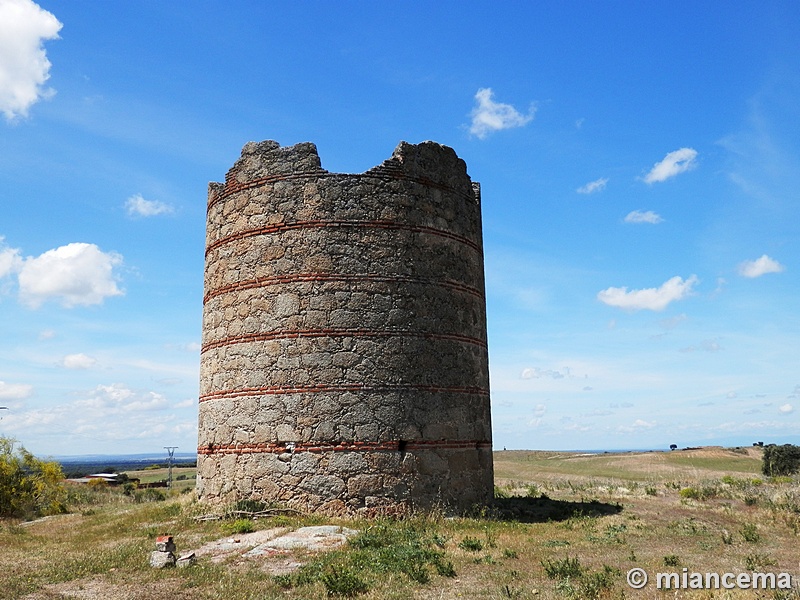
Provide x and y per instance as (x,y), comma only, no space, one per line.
(344,362)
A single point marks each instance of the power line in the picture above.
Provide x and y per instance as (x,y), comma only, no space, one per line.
(171,451)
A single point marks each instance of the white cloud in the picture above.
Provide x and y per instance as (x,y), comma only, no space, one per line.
(489,116)
(705,346)
(538,413)
(537,373)
(786,408)
(637,425)
(674,163)
(78,361)
(188,403)
(10,260)
(655,299)
(638,216)
(593,186)
(137,206)
(106,415)
(760,266)
(77,274)
(14,391)
(117,398)
(24,67)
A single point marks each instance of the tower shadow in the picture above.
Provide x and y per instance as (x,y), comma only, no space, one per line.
(543,509)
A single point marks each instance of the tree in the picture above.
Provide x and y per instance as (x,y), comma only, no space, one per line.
(673,446)
(780,460)
(29,487)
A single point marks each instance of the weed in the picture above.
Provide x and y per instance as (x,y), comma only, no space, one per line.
(283,581)
(148,495)
(593,584)
(565,587)
(501,493)
(471,544)
(749,533)
(509,592)
(690,493)
(756,562)
(651,490)
(672,560)
(781,479)
(532,491)
(341,580)
(445,568)
(555,543)
(727,537)
(509,553)
(562,568)
(240,526)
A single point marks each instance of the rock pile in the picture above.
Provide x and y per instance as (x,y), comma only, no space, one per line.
(164,554)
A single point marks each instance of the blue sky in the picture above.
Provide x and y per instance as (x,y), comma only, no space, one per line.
(639,163)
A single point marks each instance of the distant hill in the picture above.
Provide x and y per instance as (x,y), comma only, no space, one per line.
(77,465)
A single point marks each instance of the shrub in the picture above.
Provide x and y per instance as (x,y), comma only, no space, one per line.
(148,495)
(750,533)
(385,547)
(471,544)
(690,493)
(593,584)
(340,580)
(781,460)
(29,487)
(240,526)
(563,568)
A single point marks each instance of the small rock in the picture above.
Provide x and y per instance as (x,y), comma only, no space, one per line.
(186,560)
(165,543)
(161,560)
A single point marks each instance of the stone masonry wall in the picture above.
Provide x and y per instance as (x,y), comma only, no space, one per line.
(344,362)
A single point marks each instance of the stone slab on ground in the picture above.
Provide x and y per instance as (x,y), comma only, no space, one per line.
(313,539)
(221,549)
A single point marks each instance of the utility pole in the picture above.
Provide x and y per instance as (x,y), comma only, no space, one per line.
(171,451)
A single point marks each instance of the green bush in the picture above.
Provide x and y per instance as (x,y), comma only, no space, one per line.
(781,460)
(563,568)
(410,548)
(240,526)
(340,580)
(148,495)
(471,544)
(690,493)
(29,487)
(749,533)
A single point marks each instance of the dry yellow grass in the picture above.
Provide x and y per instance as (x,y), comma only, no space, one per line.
(704,510)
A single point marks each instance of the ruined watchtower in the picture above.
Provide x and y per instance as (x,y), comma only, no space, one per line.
(344,362)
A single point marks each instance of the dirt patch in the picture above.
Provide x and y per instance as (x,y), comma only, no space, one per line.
(99,589)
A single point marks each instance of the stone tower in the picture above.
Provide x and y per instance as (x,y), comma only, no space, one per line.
(344,362)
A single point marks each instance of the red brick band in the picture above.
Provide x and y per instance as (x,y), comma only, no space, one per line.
(381,173)
(319,447)
(319,333)
(271,390)
(313,224)
(259,282)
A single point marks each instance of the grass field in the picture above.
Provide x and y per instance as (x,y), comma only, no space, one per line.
(566,526)
(182,477)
